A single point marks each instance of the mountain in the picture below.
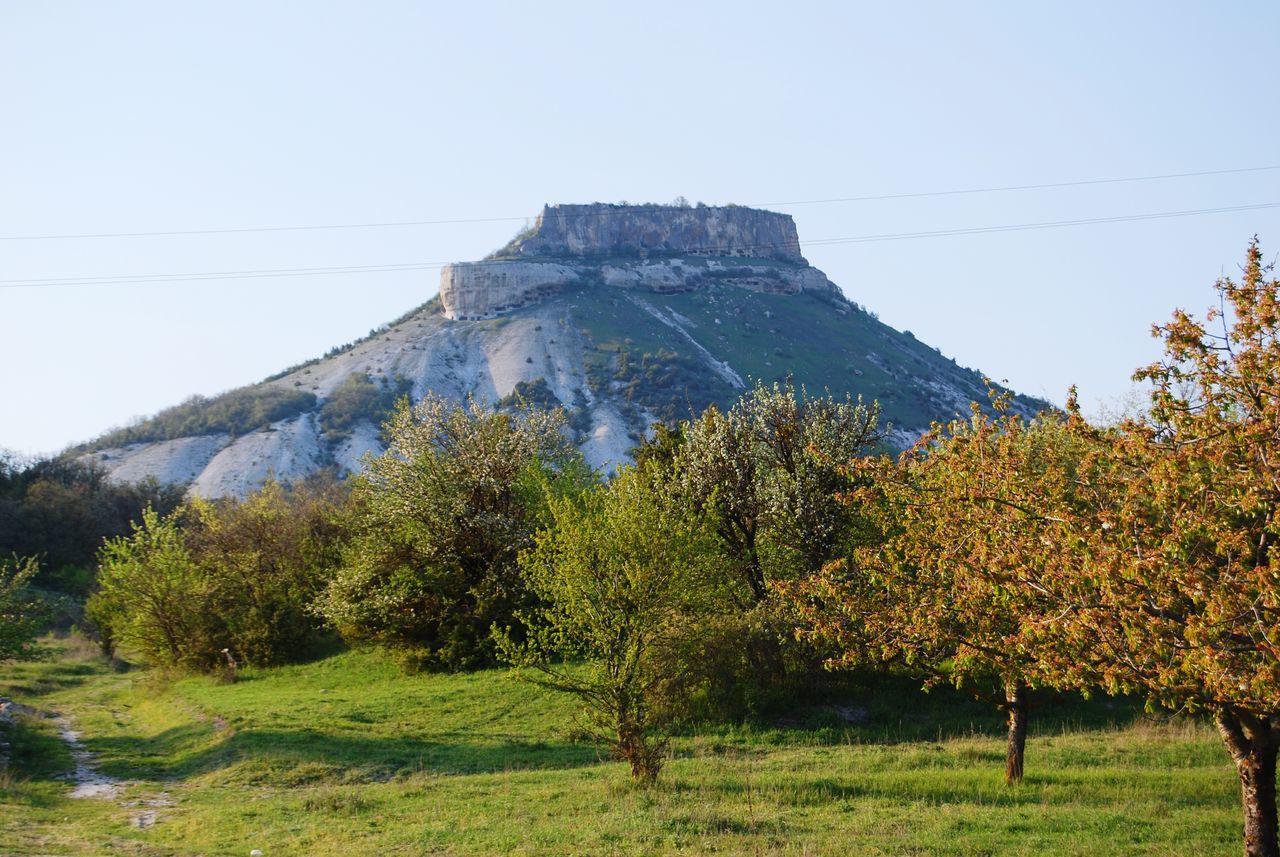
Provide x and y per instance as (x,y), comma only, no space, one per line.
(621,314)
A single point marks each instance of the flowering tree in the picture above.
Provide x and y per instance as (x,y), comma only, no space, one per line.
(771,468)
(440,519)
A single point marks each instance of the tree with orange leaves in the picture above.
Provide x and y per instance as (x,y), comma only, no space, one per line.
(949,589)
(1168,584)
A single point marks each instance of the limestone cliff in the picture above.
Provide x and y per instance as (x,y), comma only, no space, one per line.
(470,290)
(597,230)
(662,249)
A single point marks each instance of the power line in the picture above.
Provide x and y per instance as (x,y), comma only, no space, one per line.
(1048,224)
(220,275)
(265,273)
(442,222)
(1083,183)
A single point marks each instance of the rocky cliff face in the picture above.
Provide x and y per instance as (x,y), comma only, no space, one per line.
(473,290)
(596,230)
(662,249)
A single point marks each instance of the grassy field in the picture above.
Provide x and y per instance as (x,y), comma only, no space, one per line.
(348,756)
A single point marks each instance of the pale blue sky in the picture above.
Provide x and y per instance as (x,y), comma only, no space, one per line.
(168,116)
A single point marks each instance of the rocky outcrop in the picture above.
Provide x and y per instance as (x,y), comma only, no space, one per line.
(662,249)
(472,290)
(597,230)
(685,275)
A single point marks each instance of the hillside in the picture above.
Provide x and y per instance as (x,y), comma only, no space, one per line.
(639,326)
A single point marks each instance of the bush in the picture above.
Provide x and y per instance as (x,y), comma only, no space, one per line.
(535,394)
(21,610)
(154,598)
(215,576)
(629,578)
(266,559)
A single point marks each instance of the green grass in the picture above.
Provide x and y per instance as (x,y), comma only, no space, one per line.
(347,755)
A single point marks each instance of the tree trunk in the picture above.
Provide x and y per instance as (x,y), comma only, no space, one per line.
(1253,742)
(1016,707)
(764,654)
(643,755)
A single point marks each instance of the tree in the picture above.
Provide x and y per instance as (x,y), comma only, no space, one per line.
(153,597)
(21,612)
(771,468)
(234,575)
(438,522)
(628,574)
(1172,591)
(952,582)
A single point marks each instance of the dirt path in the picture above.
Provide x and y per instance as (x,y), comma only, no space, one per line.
(88,781)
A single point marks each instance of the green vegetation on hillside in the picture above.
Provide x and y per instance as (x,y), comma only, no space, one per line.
(236,412)
(532,394)
(254,407)
(764,337)
(359,400)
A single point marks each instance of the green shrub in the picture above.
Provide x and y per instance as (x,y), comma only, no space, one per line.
(239,576)
(535,394)
(266,559)
(22,611)
(628,575)
(153,597)
(358,399)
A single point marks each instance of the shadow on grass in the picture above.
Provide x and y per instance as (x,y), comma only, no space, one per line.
(41,678)
(37,756)
(947,789)
(883,708)
(293,757)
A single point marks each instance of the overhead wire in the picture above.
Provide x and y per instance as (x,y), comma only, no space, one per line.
(605,212)
(262,273)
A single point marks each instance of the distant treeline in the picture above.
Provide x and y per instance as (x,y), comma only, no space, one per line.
(59,511)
